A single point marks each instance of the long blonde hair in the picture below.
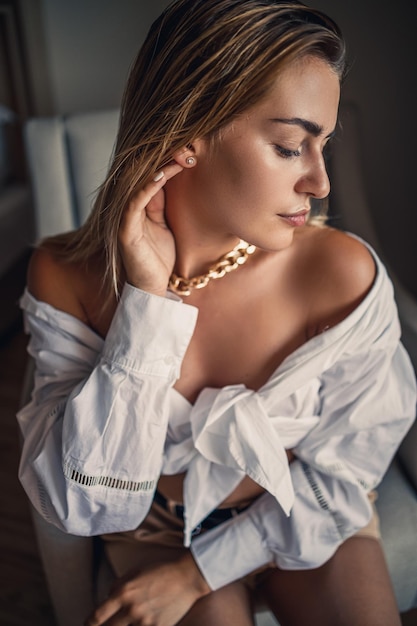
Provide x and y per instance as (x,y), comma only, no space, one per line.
(203,63)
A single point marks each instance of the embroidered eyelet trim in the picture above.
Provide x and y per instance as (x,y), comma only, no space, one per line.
(107,481)
(365,485)
(321,500)
(44,501)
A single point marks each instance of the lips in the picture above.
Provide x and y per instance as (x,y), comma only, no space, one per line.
(295,219)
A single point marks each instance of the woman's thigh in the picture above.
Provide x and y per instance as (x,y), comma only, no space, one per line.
(353,587)
(229,606)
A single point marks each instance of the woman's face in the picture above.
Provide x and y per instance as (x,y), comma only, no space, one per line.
(258,181)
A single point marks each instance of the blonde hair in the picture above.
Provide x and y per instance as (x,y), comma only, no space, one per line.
(203,63)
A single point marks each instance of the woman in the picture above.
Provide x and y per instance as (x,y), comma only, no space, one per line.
(220,384)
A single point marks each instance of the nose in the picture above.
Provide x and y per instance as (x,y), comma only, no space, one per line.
(315,180)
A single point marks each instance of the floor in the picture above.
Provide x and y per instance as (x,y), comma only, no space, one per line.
(24,598)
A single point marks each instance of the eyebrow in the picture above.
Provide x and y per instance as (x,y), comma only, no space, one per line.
(311,127)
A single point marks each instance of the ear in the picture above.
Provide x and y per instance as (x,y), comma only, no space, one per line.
(187,156)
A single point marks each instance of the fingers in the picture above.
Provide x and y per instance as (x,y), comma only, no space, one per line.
(104,612)
(146,243)
(161,596)
(149,191)
(169,171)
(120,609)
(149,198)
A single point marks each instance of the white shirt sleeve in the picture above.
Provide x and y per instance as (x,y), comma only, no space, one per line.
(367,405)
(95,429)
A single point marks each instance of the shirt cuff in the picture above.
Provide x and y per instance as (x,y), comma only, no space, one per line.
(230,551)
(149,334)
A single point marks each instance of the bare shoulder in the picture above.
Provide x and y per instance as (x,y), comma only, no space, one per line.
(55,282)
(341,272)
(344,261)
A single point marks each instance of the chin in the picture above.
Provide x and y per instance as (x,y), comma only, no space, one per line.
(274,242)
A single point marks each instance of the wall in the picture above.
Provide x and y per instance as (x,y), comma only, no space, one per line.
(90,44)
(383,82)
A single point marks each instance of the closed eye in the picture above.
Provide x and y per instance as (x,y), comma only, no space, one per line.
(286,153)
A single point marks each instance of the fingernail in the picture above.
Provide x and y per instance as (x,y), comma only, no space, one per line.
(158,176)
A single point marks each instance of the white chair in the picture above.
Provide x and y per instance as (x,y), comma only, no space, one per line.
(68,158)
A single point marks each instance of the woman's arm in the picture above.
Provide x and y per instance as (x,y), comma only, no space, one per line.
(368,404)
(338,462)
(160,595)
(95,429)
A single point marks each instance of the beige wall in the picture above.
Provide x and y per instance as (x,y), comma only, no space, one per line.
(81,51)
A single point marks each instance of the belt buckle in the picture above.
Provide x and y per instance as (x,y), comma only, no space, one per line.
(196,531)
(173,508)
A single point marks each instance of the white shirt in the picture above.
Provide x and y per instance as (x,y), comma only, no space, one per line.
(105,422)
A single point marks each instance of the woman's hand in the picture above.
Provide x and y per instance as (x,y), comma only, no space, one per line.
(146,244)
(160,596)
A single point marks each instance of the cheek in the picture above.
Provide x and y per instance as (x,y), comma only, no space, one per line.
(223,181)
(260,182)
(244,174)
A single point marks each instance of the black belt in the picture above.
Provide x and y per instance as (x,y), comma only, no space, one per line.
(216,517)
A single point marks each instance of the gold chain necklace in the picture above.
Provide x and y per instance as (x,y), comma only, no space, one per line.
(227,263)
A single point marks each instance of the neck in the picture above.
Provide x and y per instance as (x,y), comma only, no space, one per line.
(194,254)
(198,245)
(227,263)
